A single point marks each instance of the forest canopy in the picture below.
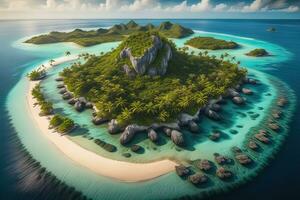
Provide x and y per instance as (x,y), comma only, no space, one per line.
(190,81)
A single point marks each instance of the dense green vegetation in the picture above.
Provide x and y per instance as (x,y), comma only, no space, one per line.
(45,106)
(258,53)
(62,124)
(36,75)
(189,83)
(138,43)
(211,43)
(115,33)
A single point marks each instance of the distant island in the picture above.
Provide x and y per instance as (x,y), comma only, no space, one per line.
(115,33)
(272,29)
(211,43)
(258,53)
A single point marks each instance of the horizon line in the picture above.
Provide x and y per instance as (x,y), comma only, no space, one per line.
(22,19)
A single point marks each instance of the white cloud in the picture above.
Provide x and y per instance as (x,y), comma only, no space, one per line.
(139,8)
(291,9)
(139,5)
(220,7)
(203,5)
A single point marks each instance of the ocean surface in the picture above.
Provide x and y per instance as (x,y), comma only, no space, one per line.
(280,179)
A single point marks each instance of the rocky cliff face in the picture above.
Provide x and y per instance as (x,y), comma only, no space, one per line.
(144,64)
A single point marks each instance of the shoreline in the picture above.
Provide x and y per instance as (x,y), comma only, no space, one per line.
(120,170)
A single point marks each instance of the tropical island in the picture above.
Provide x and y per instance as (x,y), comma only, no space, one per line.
(147,84)
(150,96)
(258,53)
(115,33)
(211,43)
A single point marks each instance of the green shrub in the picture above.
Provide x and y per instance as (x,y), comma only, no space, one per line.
(37,75)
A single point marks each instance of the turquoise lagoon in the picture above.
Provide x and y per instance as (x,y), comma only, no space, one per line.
(168,186)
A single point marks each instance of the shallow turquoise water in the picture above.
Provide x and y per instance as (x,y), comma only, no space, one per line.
(101,188)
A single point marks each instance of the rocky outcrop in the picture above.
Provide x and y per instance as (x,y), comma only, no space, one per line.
(215,136)
(63,91)
(129,133)
(143,64)
(185,118)
(67,96)
(276,114)
(174,125)
(243,159)
(252,145)
(129,71)
(193,127)
(232,93)
(197,178)
(177,138)
(189,121)
(167,131)
(114,127)
(238,100)
(274,126)
(72,101)
(135,148)
(282,101)
(221,160)
(212,114)
(204,165)
(59,79)
(223,173)
(182,170)
(249,81)
(262,137)
(98,120)
(152,135)
(247,91)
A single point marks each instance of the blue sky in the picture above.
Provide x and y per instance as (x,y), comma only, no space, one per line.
(66,9)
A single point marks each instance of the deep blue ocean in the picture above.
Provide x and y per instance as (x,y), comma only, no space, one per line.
(281,179)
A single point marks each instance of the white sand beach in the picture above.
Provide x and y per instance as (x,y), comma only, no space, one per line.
(119,170)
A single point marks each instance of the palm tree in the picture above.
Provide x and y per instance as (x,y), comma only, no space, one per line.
(205,53)
(193,52)
(200,53)
(51,62)
(136,106)
(67,53)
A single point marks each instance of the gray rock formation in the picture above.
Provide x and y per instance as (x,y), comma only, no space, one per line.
(114,127)
(129,133)
(184,119)
(129,71)
(174,125)
(72,101)
(223,173)
(167,131)
(198,178)
(152,135)
(79,106)
(98,120)
(212,114)
(143,64)
(193,127)
(238,100)
(177,137)
(247,91)
(232,93)
(182,170)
